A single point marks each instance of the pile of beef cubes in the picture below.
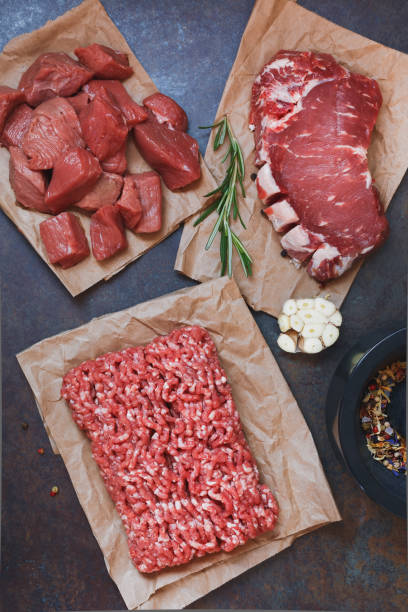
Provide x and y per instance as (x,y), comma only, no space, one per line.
(66,129)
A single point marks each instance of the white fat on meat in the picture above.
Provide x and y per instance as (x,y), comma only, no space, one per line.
(328,253)
(266,184)
(282,215)
(299,242)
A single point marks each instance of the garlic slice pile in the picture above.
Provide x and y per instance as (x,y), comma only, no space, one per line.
(308,325)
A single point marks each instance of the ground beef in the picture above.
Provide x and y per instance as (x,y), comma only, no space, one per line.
(168,440)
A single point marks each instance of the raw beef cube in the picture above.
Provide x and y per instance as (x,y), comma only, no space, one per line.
(172,153)
(103,127)
(132,112)
(129,204)
(28,185)
(167,438)
(107,233)
(54,129)
(16,126)
(53,74)
(64,240)
(79,101)
(106,63)
(9,99)
(117,163)
(105,191)
(74,175)
(167,111)
(281,215)
(150,194)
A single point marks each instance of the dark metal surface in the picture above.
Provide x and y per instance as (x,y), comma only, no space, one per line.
(50,559)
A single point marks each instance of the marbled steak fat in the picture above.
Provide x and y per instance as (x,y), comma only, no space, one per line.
(168,441)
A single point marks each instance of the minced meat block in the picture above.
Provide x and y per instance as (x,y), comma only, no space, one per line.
(64,240)
(53,74)
(74,175)
(16,126)
(168,441)
(107,233)
(105,62)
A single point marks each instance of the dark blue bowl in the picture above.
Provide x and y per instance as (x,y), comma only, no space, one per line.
(347,388)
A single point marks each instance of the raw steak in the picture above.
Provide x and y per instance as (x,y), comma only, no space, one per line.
(16,126)
(105,62)
(64,240)
(53,74)
(54,129)
(168,441)
(312,122)
(28,185)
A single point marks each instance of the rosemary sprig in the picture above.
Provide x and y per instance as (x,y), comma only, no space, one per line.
(226,201)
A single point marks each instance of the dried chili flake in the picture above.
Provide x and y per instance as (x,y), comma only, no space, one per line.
(385,444)
(54,491)
(40,451)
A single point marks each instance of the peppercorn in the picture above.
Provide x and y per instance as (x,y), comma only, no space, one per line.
(24,426)
(283,253)
(253,176)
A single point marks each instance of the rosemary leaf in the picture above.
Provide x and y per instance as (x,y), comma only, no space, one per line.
(226,202)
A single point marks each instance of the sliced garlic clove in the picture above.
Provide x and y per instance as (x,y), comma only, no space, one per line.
(330,334)
(312,316)
(283,322)
(336,318)
(296,323)
(312,330)
(288,342)
(289,307)
(324,306)
(310,345)
(306,304)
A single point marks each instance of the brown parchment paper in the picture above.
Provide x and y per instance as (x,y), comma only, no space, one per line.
(275,25)
(276,431)
(81,26)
